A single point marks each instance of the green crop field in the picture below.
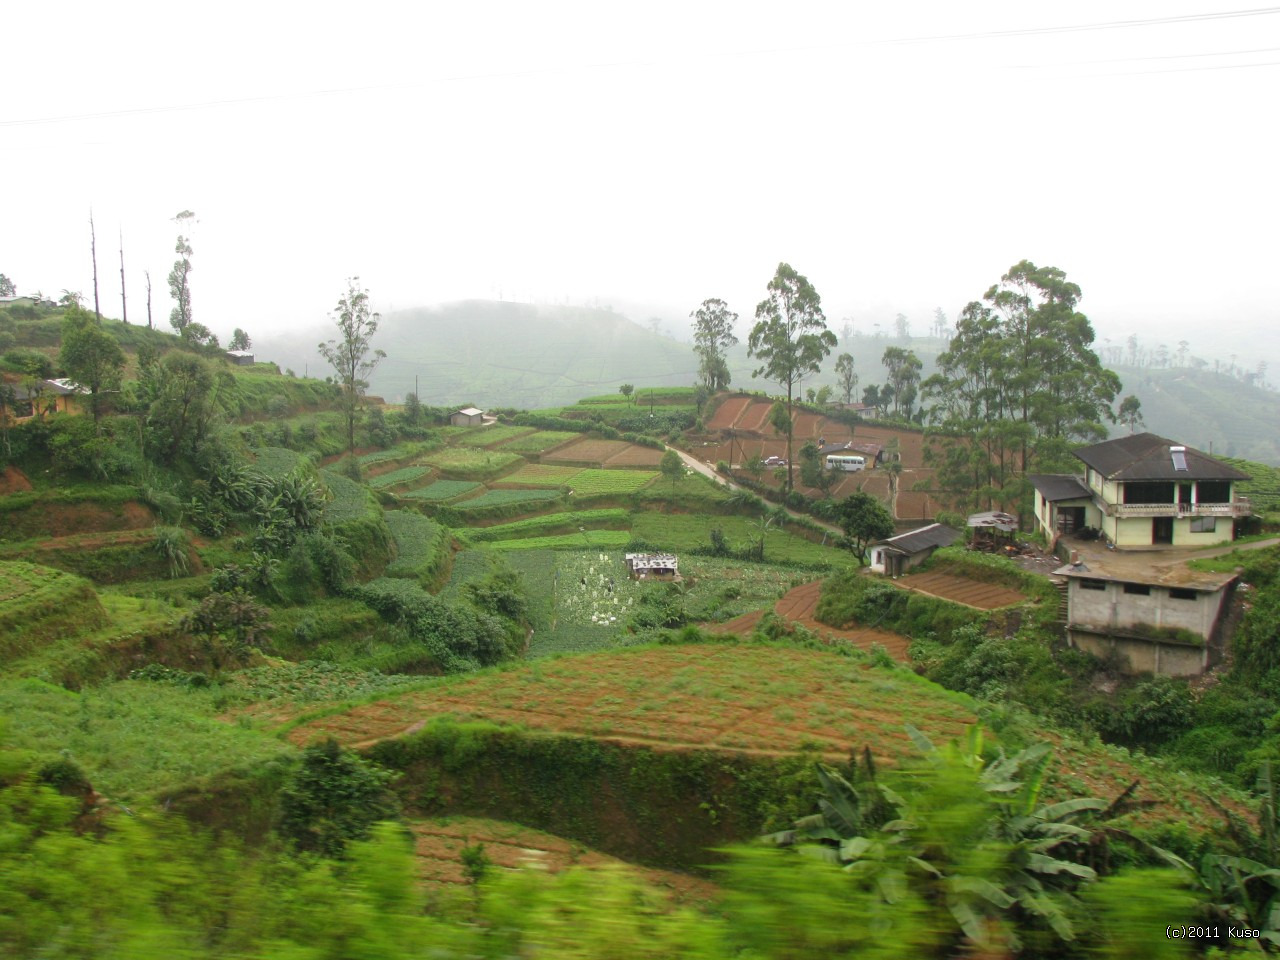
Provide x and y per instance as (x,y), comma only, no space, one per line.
(441,490)
(276,461)
(492,436)
(568,522)
(678,531)
(472,463)
(403,475)
(540,441)
(660,395)
(592,482)
(542,475)
(420,544)
(495,497)
(350,500)
(1263,486)
(602,539)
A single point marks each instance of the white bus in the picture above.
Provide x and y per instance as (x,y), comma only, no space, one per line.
(850,463)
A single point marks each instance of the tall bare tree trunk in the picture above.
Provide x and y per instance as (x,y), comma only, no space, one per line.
(148,275)
(93,250)
(124,306)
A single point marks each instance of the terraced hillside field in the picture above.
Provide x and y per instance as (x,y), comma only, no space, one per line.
(748,701)
(745,699)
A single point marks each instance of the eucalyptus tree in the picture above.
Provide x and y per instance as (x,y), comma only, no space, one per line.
(712,335)
(846,378)
(352,355)
(179,276)
(790,337)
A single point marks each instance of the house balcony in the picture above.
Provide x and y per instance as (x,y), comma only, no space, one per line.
(1239,507)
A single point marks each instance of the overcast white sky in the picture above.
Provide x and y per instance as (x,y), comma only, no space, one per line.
(901,155)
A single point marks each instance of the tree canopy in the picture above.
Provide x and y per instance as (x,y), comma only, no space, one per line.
(1017,386)
(90,356)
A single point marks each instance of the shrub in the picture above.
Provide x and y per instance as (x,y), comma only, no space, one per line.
(333,798)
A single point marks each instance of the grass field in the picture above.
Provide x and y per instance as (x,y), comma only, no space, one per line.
(680,531)
(539,441)
(442,490)
(593,483)
(112,732)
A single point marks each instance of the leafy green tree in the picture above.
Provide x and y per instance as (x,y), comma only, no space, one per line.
(239,340)
(779,418)
(412,409)
(353,356)
(712,334)
(179,276)
(672,468)
(181,415)
(904,368)
(1018,385)
(864,520)
(627,389)
(7,287)
(846,379)
(334,797)
(790,336)
(813,472)
(90,356)
(1131,413)
(230,624)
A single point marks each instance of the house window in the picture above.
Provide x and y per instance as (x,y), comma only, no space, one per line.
(1093,584)
(1138,589)
(1213,491)
(1204,524)
(1178,593)
(1148,492)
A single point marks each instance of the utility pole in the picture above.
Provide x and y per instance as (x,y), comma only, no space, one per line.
(124,306)
(93,251)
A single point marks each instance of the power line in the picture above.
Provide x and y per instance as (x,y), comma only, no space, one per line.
(497,75)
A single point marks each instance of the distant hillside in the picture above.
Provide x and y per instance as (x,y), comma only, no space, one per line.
(1207,410)
(498,354)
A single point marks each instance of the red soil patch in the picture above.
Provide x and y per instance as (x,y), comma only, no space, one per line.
(753,418)
(587,452)
(635,456)
(727,413)
(971,593)
(47,519)
(13,480)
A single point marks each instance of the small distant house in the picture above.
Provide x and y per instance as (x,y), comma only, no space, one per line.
(897,555)
(652,566)
(241,358)
(45,397)
(1164,620)
(1144,491)
(467,417)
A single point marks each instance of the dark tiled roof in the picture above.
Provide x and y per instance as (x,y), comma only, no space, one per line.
(934,535)
(1055,486)
(1144,456)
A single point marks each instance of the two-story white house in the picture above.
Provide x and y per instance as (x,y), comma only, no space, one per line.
(1144,491)
(1130,591)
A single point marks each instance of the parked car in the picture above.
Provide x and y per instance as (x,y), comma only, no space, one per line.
(774,462)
